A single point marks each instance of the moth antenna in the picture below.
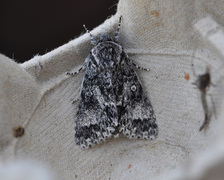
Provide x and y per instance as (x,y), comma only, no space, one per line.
(192,65)
(207,69)
(118,29)
(93,40)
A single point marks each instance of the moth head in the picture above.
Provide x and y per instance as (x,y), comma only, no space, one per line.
(104,37)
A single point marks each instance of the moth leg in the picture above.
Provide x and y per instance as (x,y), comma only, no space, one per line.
(204,123)
(76,72)
(205,108)
(73,102)
(117,31)
(212,84)
(213,104)
(139,67)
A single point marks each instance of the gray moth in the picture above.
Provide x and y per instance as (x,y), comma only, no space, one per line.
(203,82)
(112,100)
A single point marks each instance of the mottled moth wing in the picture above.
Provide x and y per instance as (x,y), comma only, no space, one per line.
(97,113)
(136,116)
(112,98)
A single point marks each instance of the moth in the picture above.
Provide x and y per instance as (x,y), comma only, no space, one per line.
(112,99)
(203,82)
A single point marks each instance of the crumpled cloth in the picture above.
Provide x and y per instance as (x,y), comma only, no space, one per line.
(165,36)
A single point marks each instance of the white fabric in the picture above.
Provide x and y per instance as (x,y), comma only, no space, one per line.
(160,35)
(24,170)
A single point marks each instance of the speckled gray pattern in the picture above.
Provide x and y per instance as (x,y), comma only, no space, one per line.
(112,98)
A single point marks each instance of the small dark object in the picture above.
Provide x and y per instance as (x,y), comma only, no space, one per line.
(112,98)
(18,131)
(203,82)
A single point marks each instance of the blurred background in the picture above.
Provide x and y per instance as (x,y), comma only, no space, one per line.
(28,28)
